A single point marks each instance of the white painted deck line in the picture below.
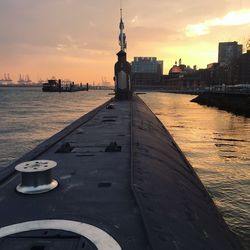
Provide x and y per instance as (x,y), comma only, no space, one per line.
(101,239)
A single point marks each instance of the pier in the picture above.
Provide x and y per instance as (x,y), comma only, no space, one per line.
(54,85)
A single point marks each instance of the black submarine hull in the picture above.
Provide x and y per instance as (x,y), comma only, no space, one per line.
(123,183)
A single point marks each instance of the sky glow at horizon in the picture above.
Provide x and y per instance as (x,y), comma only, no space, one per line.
(78,40)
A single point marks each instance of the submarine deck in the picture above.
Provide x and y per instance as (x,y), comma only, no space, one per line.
(137,193)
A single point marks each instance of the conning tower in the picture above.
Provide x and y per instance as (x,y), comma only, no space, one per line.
(123,90)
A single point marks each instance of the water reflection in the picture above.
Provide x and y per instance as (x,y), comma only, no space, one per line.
(217,145)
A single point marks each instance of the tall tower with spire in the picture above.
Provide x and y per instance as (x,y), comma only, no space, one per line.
(122,68)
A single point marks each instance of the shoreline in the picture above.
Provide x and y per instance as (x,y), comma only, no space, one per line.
(238,105)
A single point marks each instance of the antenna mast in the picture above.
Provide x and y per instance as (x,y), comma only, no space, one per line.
(122,36)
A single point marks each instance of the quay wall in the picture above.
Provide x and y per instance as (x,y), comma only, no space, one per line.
(236,104)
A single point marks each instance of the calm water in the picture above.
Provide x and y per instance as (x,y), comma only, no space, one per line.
(216,143)
(28,116)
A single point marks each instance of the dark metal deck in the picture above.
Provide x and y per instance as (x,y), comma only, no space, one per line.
(146,196)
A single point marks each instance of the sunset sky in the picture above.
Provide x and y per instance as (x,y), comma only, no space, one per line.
(78,39)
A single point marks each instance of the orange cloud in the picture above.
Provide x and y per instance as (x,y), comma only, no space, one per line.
(233,18)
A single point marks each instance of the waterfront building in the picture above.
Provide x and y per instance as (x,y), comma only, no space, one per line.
(146,71)
(184,77)
(244,68)
(178,71)
(228,52)
(147,65)
(234,73)
(181,70)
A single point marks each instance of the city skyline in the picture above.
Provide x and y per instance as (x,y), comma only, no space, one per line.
(79,40)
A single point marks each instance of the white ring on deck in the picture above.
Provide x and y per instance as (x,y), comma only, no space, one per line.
(97,236)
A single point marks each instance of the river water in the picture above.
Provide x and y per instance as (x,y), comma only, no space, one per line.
(216,142)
